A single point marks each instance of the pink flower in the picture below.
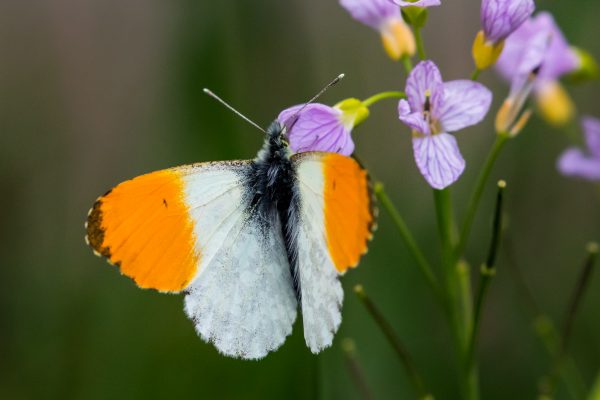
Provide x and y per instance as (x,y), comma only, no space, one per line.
(323,128)
(433,109)
(577,163)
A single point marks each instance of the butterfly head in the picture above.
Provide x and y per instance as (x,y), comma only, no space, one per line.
(277,133)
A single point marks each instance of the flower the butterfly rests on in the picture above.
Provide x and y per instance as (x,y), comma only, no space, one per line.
(319,127)
(433,109)
(247,241)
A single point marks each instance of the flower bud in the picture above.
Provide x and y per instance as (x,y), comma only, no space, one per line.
(353,111)
(555,104)
(510,119)
(397,38)
(588,67)
(486,53)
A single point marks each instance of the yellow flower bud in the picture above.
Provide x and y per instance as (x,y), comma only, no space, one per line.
(485,53)
(397,38)
(353,111)
(555,104)
(588,67)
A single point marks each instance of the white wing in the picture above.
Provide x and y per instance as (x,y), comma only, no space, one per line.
(242,299)
(335,222)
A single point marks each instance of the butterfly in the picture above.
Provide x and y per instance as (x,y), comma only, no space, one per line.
(249,242)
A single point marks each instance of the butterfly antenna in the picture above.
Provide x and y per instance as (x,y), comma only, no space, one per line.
(294,117)
(236,112)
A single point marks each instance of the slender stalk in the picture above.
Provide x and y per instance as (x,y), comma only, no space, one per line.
(382,96)
(411,371)
(444,214)
(358,376)
(577,296)
(475,74)
(475,198)
(549,382)
(543,327)
(408,239)
(408,65)
(488,271)
(458,289)
(420,45)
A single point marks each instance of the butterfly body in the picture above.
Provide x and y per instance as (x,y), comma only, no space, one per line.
(249,242)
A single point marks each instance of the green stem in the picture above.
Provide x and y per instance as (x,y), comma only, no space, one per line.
(543,327)
(382,96)
(420,45)
(405,358)
(578,292)
(408,65)
(488,271)
(475,74)
(358,376)
(458,289)
(473,203)
(551,379)
(408,239)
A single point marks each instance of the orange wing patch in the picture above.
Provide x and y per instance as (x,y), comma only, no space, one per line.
(349,214)
(143,226)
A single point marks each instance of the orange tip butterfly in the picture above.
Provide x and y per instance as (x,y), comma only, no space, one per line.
(248,242)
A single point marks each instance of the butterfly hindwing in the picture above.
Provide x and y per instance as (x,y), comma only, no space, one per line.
(335,222)
(244,302)
(194,228)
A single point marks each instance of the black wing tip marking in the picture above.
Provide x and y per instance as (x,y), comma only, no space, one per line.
(95,232)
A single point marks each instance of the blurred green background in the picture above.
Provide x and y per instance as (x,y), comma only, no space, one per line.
(94,92)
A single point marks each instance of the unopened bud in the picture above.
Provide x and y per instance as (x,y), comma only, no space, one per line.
(486,53)
(397,38)
(555,104)
(588,69)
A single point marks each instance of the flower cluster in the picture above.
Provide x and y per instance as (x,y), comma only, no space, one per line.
(530,52)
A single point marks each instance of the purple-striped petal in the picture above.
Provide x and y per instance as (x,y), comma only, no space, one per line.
(500,18)
(414,120)
(418,3)
(371,12)
(465,104)
(317,128)
(438,158)
(574,163)
(425,79)
(591,129)
(537,44)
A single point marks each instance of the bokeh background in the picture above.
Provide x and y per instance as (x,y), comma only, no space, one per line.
(94,92)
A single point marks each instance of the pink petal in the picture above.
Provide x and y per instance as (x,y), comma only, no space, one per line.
(317,128)
(574,163)
(591,128)
(424,78)
(465,103)
(439,159)
(415,120)
(419,3)
(371,12)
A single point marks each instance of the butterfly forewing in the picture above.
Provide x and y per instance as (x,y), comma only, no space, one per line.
(336,220)
(194,228)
